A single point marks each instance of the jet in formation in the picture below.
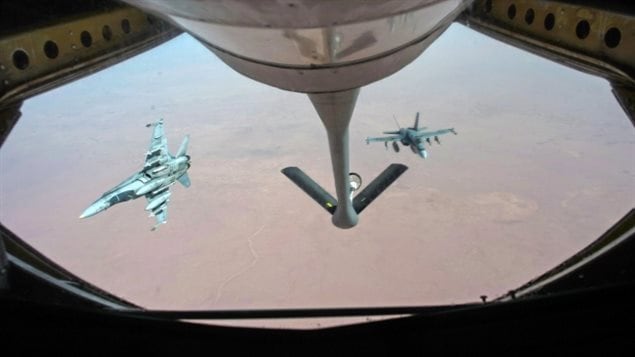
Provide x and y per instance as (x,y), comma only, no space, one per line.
(160,171)
(413,137)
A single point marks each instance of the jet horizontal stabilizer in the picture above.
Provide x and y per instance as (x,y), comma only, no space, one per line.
(311,188)
(377,186)
(391,132)
(185,180)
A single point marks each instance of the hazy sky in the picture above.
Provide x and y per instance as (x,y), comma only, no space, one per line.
(542,165)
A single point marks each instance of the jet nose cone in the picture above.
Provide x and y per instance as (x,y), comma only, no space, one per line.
(91,211)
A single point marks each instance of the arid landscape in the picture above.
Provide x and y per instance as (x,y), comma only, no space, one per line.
(543,163)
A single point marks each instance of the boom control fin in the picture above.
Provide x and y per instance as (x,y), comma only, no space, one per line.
(360,201)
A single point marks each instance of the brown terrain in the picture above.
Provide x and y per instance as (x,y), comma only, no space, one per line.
(543,164)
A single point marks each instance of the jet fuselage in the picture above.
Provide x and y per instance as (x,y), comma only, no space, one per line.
(409,138)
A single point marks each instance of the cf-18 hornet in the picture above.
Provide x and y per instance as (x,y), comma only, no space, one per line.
(160,171)
(413,137)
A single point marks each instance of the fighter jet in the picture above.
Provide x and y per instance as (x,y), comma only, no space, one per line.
(160,171)
(413,137)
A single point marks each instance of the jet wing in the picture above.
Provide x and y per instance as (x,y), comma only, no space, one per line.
(158,150)
(384,139)
(158,206)
(430,134)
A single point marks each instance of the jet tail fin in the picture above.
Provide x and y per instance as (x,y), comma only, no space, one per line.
(379,185)
(360,202)
(416,127)
(183,148)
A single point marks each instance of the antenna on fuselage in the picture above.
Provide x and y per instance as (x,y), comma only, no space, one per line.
(398,126)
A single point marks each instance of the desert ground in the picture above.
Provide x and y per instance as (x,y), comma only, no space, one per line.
(543,164)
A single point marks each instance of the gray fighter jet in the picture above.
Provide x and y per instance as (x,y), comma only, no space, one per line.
(413,137)
(160,171)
